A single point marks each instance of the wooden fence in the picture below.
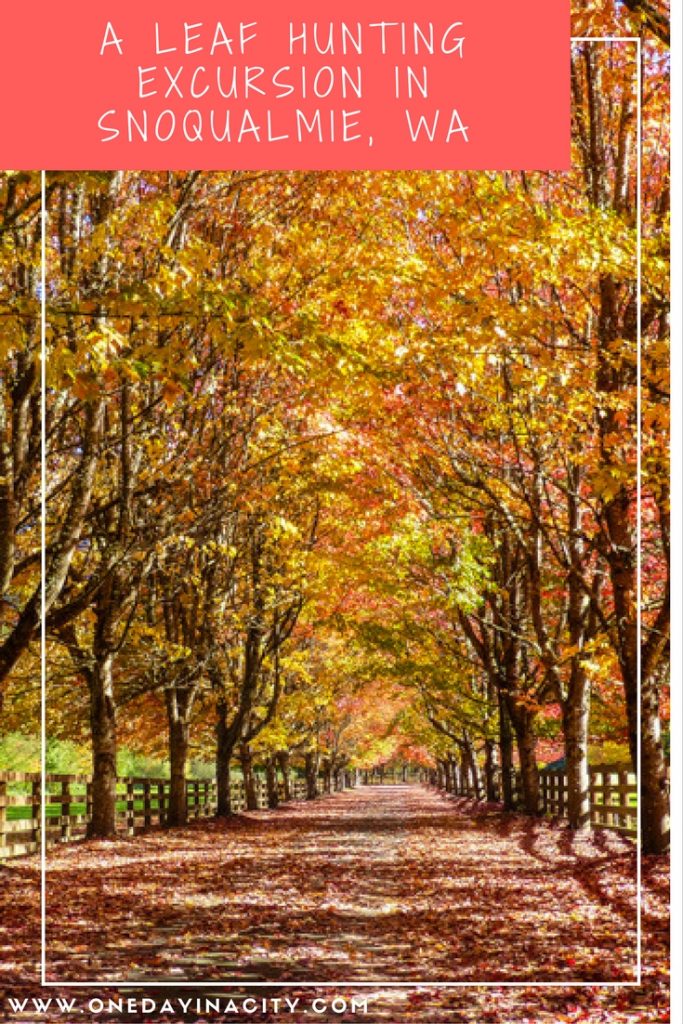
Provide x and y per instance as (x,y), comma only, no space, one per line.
(141,804)
(613,795)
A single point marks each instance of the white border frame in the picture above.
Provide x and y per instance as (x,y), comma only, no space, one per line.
(189,984)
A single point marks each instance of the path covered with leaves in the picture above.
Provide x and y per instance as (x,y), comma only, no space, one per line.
(388,884)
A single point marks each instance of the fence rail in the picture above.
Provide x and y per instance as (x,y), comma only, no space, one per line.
(141,803)
(613,794)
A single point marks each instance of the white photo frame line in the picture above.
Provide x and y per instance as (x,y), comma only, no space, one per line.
(127,983)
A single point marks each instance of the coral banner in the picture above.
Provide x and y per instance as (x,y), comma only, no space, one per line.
(475,84)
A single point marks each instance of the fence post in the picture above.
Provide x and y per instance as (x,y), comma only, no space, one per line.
(36,810)
(65,810)
(161,809)
(595,782)
(147,802)
(623,795)
(3,812)
(610,793)
(130,806)
(88,804)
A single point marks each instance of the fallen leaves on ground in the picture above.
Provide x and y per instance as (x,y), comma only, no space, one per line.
(386,884)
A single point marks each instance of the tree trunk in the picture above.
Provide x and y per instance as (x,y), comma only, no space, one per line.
(283,764)
(654,810)
(472,769)
(271,783)
(617,333)
(461,774)
(528,766)
(491,771)
(178,747)
(457,777)
(103,729)
(248,777)
(224,749)
(327,776)
(311,772)
(179,700)
(506,754)
(575,717)
(449,767)
(654,784)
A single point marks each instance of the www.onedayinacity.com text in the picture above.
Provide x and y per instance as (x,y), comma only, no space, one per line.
(206,1006)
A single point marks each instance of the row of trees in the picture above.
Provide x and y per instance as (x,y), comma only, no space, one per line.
(341,464)
(513,425)
(185,477)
